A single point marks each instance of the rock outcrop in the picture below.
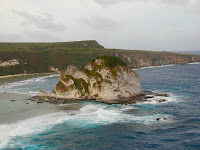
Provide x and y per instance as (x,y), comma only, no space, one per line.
(56,70)
(104,79)
(11,62)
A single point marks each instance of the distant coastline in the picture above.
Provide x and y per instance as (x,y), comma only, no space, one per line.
(20,58)
(169,65)
(19,75)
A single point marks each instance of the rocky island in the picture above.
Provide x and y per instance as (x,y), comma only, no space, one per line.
(105,79)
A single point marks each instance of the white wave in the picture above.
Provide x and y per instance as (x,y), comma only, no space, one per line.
(29,126)
(150,67)
(194,63)
(89,114)
(170,65)
(21,93)
(19,87)
(33,93)
(90,108)
(29,81)
(155,100)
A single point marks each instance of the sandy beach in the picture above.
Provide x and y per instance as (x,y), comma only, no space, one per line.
(19,75)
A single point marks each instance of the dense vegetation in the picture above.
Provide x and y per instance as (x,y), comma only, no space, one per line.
(79,84)
(38,57)
(111,61)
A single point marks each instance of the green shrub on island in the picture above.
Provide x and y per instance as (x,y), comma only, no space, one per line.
(111,61)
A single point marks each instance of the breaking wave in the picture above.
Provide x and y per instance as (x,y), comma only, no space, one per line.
(150,67)
(194,63)
(30,86)
(90,114)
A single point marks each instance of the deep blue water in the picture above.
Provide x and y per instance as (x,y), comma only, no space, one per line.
(101,126)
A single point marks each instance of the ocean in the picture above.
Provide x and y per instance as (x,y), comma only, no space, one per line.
(90,125)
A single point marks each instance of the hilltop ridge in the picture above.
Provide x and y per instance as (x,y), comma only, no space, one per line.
(42,57)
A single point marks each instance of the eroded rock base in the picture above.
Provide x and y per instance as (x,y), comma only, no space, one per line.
(144,97)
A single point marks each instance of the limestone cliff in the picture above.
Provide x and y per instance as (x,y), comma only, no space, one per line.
(149,58)
(104,78)
(12,62)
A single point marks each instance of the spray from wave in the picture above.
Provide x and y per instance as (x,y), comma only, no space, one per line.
(90,114)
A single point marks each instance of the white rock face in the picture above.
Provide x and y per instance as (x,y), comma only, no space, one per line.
(11,62)
(56,70)
(97,81)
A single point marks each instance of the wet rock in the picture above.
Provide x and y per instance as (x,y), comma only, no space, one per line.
(46,99)
(149,96)
(161,100)
(148,92)
(34,98)
(42,93)
(162,118)
(72,114)
(143,97)
(163,95)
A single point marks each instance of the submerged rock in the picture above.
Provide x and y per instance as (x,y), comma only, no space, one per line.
(149,96)
(161,100)
(161,94)
(162,118)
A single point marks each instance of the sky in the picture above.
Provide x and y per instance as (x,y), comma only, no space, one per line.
(163,25)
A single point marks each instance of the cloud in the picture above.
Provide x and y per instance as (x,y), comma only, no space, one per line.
(110,2)
(45,21)
(191,6)
(10,37)
(168,2)
(38,35)
(101,23)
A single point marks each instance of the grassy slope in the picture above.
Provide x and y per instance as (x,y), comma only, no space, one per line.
(38,57)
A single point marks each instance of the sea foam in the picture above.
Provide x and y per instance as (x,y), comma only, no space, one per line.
(150,67)
(171,99)
(29,86)
(194,63)
(90,114)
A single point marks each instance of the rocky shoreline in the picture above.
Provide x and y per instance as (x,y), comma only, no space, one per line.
(144,97)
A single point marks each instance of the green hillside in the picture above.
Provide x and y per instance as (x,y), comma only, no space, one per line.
(38,57)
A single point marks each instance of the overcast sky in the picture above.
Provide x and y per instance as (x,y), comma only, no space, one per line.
(127,24)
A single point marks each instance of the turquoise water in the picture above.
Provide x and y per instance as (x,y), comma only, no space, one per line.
(90,125)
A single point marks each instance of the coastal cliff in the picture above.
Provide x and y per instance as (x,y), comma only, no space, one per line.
(104,79)
(146,59)
(54,57)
